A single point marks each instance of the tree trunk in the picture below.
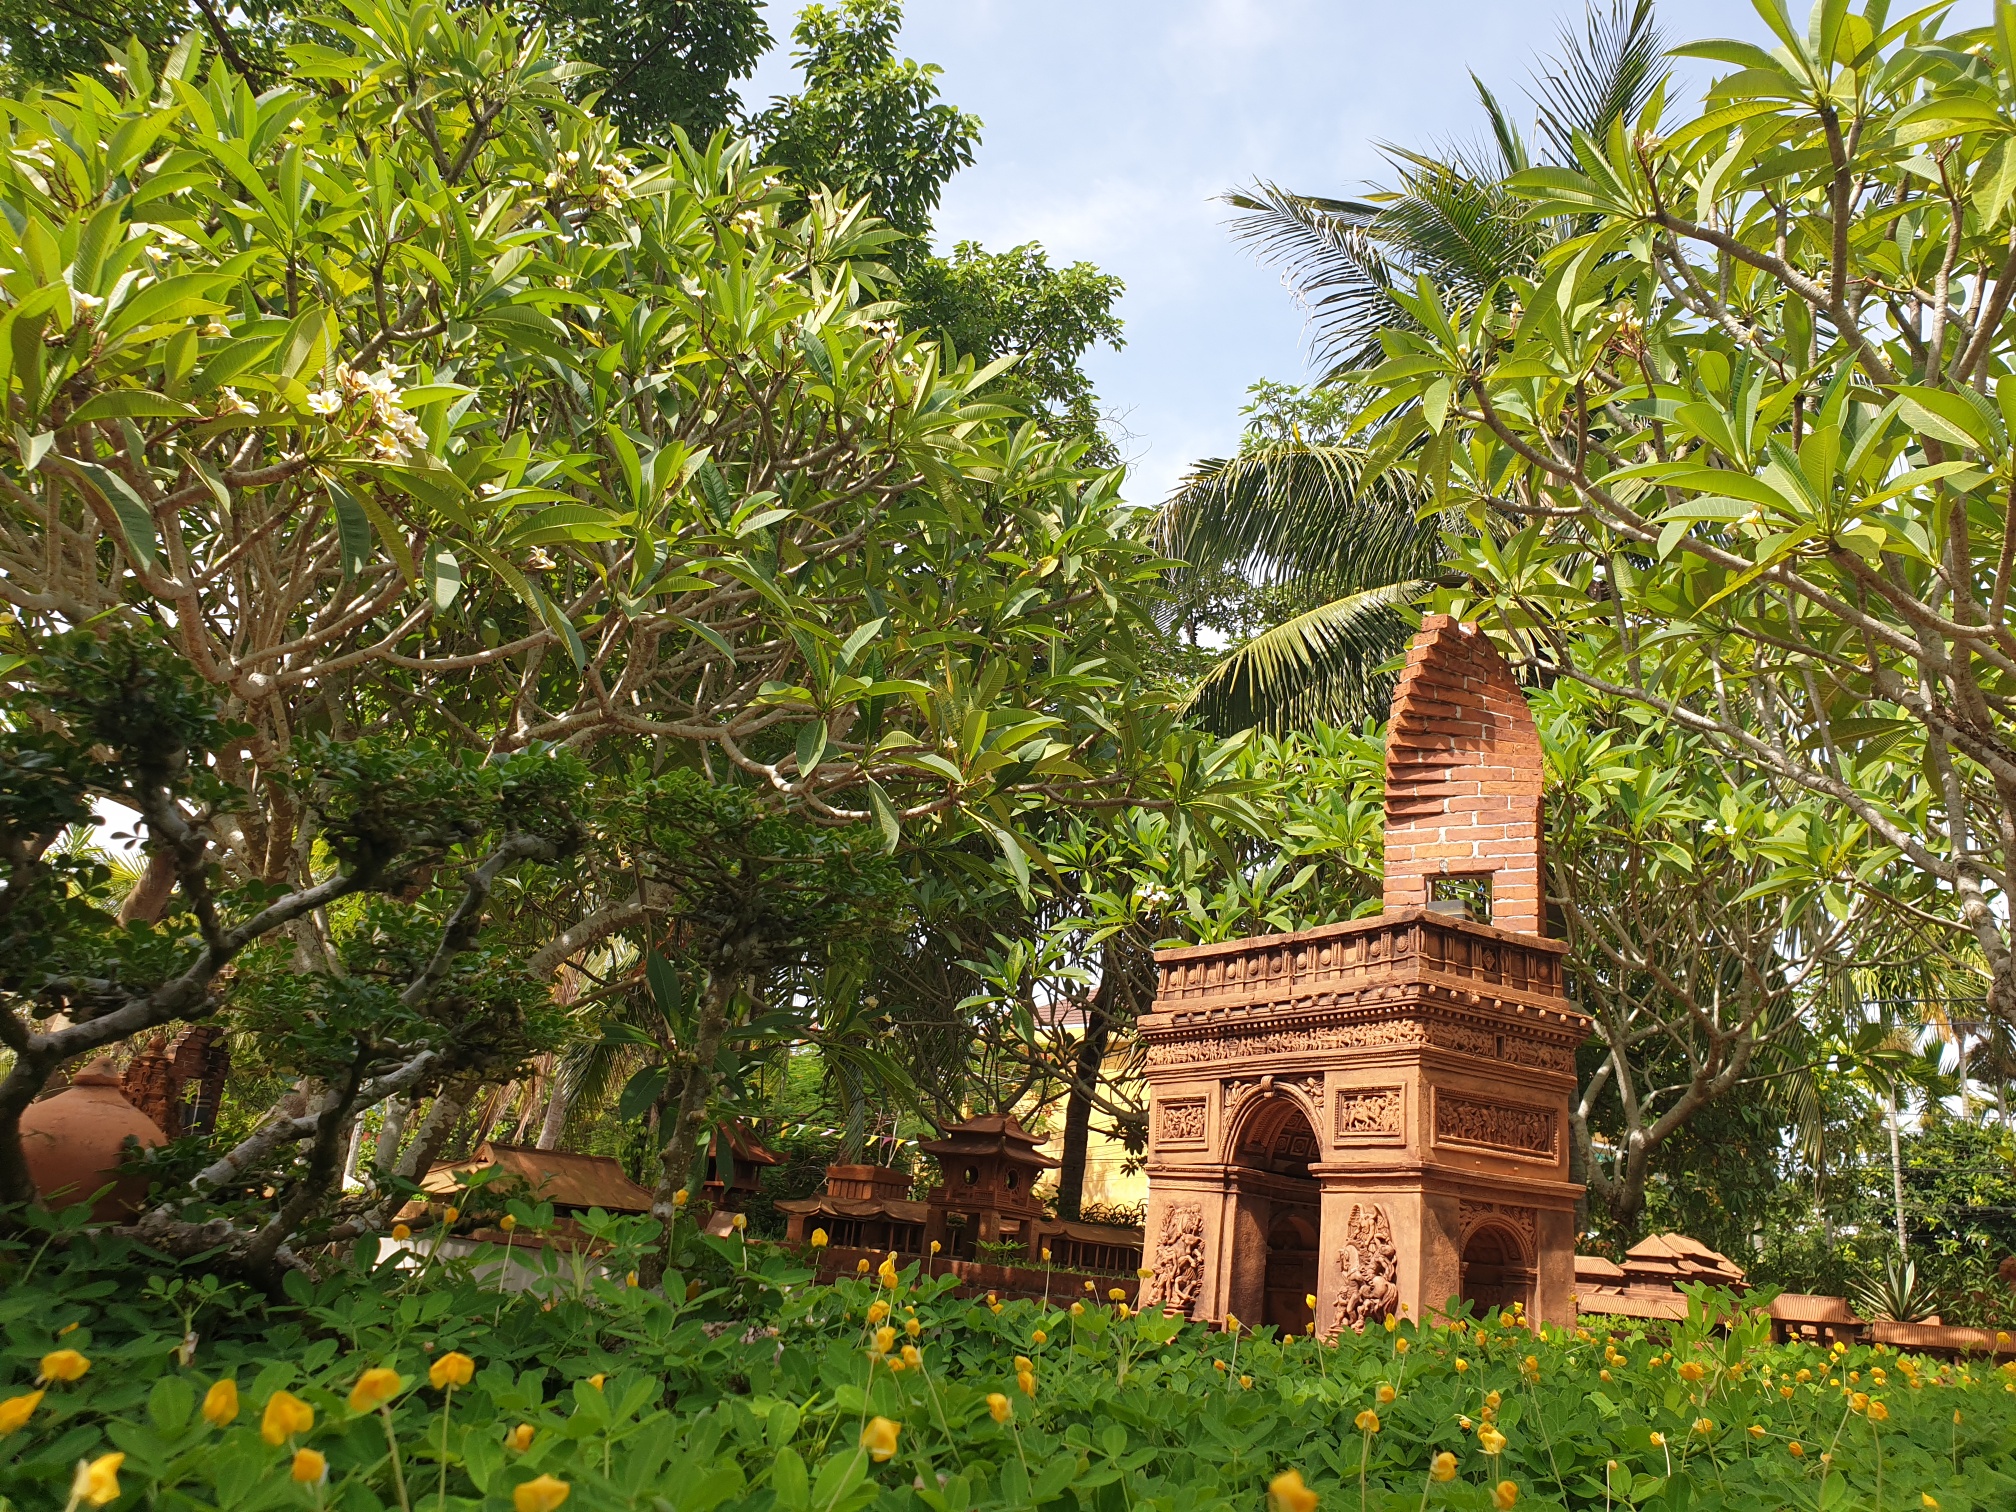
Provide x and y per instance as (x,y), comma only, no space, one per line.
(144,904)
(1897,1171)
(386,1155)
(689,1112)
(555,1123)
(1085,1069)
(449,1105)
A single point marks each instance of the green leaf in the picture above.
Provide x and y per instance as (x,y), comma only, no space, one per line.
(886,817)
(811,747)
(131,404)
(136,521)
(353,528)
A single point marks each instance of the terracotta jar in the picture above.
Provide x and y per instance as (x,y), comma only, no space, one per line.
(75,1140)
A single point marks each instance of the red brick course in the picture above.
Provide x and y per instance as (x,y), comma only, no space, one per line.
(1463,776)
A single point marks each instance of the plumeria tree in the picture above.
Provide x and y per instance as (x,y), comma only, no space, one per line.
(1752,426)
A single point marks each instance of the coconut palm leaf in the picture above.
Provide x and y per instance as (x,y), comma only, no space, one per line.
(1327,664)
(1608,71)
(1296,511)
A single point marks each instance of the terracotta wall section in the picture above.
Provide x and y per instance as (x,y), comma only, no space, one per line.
(1463,776)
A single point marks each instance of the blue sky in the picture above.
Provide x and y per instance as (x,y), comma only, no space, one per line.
(1112,125)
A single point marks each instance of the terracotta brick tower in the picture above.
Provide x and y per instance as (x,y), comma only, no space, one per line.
(1463,781)
(1376,1112)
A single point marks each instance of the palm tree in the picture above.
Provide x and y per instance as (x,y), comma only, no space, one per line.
(1290,510)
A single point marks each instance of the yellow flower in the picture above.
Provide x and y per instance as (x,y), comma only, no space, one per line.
(631,1279)
(999,1407)
(1077,1309)
(1878,1413)
(508,1223)
(451,1215)
(1756,1430)
(452,1369)
(1461,1365)
(1803,1377)
(1117,1294)
(1690,1370)
(66,1330)
(1796,1449)
(597,1379)
(1046,1254)
(285,1416)
(1367,1421)
(1704,1425)
(1287,1493)
(1385,1393)
(63,1365)
(1400,1346)
(1090,1287)
(220,1404)
(887,1274)
(1219,1366)
(913,1357)
(1785,1392)
(1245,1383)
(1858,1401)
(1493,1400)
(1927,1499)
(819,1239)
(1490,1440)
(1023,1362)
(541,1494)
(1658,1439)
(1040,1337)
(912,1327)
(879,1438)
(741,1222)
(16,1410)
(1603,1375)
(1442,1468)
(885,1339)
(1391,1322)
(679,1198)
(1309,1301)
(935,1246)
(374,1388)
(1505,1495)
(401,1232)
(1026,1381)
(97,1481)
(877,1311)
(520,1438)
(310,1468)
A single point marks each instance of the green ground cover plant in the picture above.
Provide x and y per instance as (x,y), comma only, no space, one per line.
(743,1383)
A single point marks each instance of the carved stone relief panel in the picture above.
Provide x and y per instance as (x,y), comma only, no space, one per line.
(1371,1115)
(1310,1087)
(1231,1044)
(1368,1268)
(1511,1128)
(1236,1092)
(1179,1261)
(1180,1121)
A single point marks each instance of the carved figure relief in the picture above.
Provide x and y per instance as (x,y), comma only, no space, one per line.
(1310,1087)
(1369,1113)
(1494,1125)
(1218,1045)
(1179,1261)
(1180,1121)
(1236,1092)
(1368,1269)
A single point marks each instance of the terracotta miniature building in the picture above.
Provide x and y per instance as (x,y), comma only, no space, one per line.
(733,1180)
(1376,1112)
(991,1165)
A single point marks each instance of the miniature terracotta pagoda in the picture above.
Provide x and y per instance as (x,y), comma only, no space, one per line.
(990,1165)
(1376,1112)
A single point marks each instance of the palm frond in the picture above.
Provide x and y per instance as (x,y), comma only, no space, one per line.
(1287,512)
(1325,664)
(1330,260)
(1512,155)
(1608,70)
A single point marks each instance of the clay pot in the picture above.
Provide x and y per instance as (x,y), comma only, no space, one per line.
(75,1140)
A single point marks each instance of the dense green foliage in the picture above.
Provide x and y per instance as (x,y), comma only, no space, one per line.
(746,1385)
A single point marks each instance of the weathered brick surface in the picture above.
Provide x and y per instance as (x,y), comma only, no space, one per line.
(1463,776)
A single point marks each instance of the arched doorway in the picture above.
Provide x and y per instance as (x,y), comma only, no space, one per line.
(1496,1269)
(1280,1203)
